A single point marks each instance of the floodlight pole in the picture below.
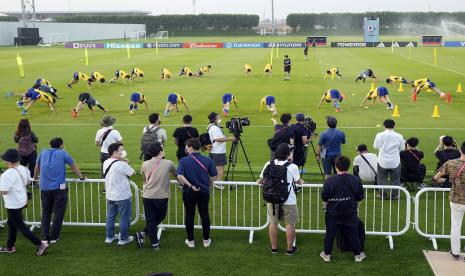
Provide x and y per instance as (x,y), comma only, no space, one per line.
(273,26)
(193,7)
(28,13)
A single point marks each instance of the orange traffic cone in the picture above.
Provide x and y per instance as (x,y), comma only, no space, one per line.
(436,112)
(449,98)
(414,96)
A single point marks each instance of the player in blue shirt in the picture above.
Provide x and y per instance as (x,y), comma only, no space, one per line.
(137,98)
(227,99)
(334,96)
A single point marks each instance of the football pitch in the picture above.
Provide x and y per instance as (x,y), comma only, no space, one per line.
(82,250)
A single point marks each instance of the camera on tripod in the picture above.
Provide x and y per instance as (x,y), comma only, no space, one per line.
(310,125)
(236,124)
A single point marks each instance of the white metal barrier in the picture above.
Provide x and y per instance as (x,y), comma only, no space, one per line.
(86,204)
(381,217)
(238,207)
(431,213)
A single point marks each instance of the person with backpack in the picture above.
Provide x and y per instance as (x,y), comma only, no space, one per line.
(341,195)
(278,179)
(151,134)
(106,136)
(27,149)
(282,133)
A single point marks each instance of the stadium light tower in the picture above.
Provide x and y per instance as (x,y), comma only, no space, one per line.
(28,9)
(193,7)
(273,23)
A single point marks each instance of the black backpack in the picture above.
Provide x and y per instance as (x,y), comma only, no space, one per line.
(149,138)
(205,141)
(283,135)
(344,245)
(275,187)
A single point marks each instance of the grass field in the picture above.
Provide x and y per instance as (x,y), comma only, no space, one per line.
(82,251)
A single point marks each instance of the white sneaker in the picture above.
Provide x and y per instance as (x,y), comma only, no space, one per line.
(206,243)
(326,258)
(190,244)
(219,186)
(110,240)
(359,258)
(126,241)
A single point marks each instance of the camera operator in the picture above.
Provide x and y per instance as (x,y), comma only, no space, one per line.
(282,133)
(445,151)
(218,149)
(301,139)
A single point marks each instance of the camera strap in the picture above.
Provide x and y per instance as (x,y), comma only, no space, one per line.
(364,158)
(200,163)
(21,176)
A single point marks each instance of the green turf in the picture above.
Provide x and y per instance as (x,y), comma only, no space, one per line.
(82,249)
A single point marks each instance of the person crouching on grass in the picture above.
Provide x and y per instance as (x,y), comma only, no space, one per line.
(290,213)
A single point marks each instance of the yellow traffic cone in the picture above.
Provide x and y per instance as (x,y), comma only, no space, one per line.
(401,88)
(459,88)
(372,86)
(436,112)
(396,111)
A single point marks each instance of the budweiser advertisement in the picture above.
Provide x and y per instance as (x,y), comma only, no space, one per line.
(194,45)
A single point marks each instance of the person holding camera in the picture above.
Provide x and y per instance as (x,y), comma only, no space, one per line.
(412,170)
(329,146)
(301,139)
(13,184)
(196,173)
(282,133)
(51,169)
(218,149)
(446,150)
(117,173)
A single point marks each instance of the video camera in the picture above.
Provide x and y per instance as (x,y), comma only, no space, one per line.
(236,124)
(310,125)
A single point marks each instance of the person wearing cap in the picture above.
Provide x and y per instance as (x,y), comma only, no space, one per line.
(365,165)
(51,169)
(329,146)
(290,212)
(106,136)
(13,184)
(218,149)
(301,138)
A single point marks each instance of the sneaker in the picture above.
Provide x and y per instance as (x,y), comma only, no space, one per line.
(190,244)
(139,239)
(206,243)
(24,112)
(274,250)
(156,247)
(219,186)
(110,240)
(360,257)
(73,113)
(326,258)
(166,114)
(69,85)
(454,256)
(53,241)
(41,249)
(131,112)
(126,241)
(5,249)
(421,186)
(338,110)
(292,251)
(275,113)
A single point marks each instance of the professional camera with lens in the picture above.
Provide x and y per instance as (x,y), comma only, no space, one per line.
(310,125)
(236,124)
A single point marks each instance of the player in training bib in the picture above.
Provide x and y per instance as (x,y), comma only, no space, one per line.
(270,103)
(96,76)
(381,93)
(136,73)
(227,99)
(173,100)
(334,96)
(396,79)
(86,99)
(368,73)
(77,76)
(333,72)
(136,99)
(165,74)
(247,70)
(120,74)
(426,84)
(287,68)
(268,69)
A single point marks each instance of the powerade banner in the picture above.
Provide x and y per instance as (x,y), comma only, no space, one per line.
(244,45)
(454,44)
(395,44)
(79,45)
(163,45)
(348,44)
(285,44)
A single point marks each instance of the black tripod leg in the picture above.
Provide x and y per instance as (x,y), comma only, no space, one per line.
(231,160)
(317,161)
(247,159)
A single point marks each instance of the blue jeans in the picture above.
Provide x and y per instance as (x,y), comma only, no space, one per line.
(124,209)
(329,165)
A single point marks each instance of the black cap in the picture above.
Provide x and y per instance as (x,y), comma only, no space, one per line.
(11,155)
(300,117)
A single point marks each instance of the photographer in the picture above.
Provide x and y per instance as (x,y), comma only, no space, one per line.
(218,149)
(301,139)
(445,151)
(282,133)
(329,146)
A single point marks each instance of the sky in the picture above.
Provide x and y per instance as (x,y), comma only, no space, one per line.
(259,7)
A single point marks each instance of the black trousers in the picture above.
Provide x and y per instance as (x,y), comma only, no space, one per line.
(155,213)
(191,200)
(29,161)
(15,224)
(349,229)
(53,201)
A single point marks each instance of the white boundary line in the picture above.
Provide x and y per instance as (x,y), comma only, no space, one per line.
(253,126)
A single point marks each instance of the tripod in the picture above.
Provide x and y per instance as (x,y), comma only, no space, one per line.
(233,157)
(317,161)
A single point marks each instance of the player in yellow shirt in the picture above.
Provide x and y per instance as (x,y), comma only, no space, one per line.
(77,76)
(173,100)
(186,71)
(425,84)
(333,72)
(396,79)
(34,95)
(165,74)
(120,74)
(136,73)
(268,69)
(137,98)
(270,103)
(332,95)
(381,94)
(247,70)
(206,69)
(96,76)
